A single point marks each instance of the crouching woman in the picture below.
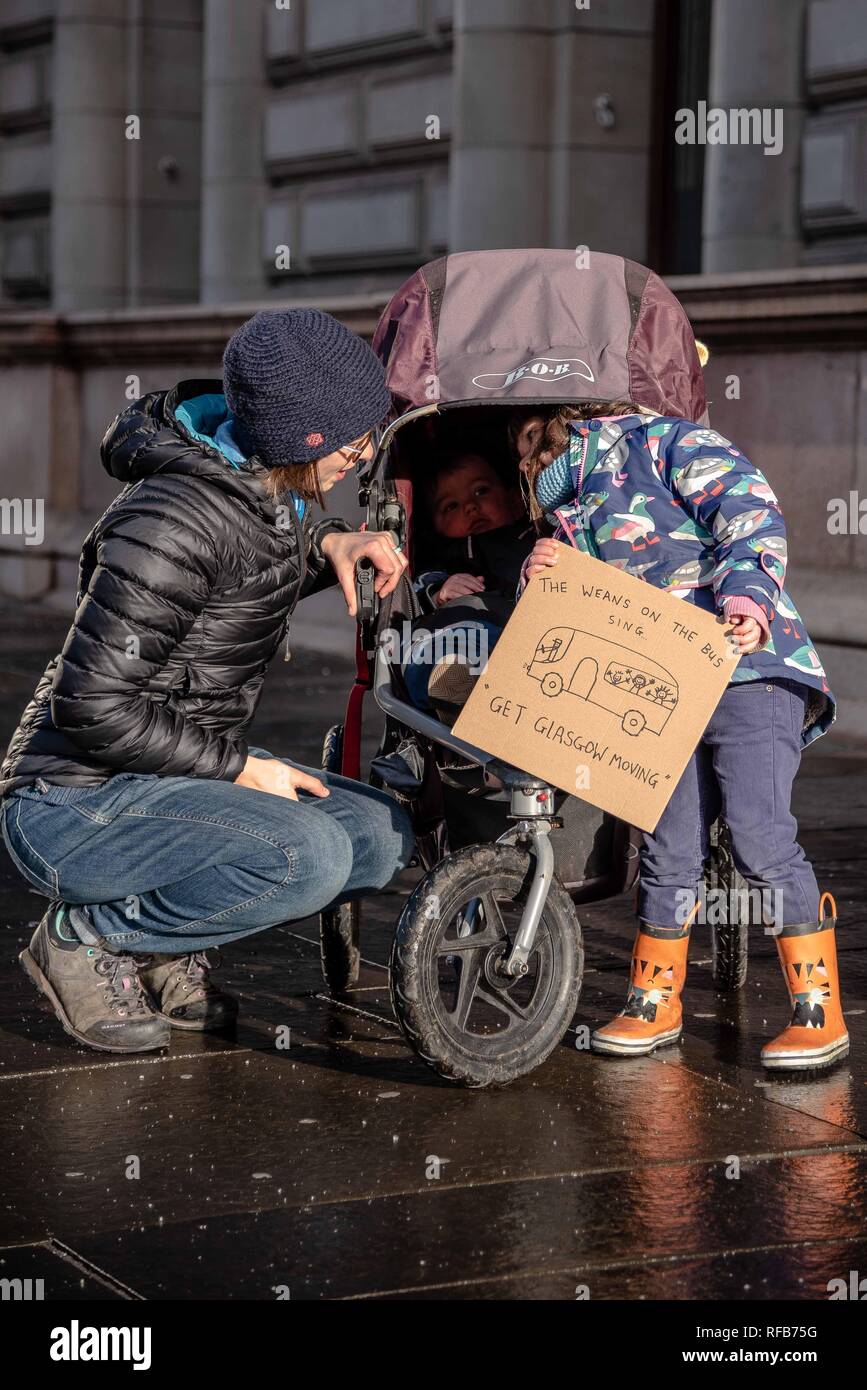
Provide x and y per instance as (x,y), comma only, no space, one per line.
(130,795)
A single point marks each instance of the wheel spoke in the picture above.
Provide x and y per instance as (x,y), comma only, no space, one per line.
(493,915)
(456,946)
(494,928)
(471,969)
(503,1001)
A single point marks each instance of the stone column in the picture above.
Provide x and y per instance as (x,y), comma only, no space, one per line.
(233,181)
(89,154)
(499,157)
(552,121)
(751,218)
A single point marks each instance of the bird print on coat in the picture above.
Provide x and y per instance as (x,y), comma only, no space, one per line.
(677,505)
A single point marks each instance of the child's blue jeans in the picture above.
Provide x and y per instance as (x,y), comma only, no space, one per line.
(744,767)
(179,864)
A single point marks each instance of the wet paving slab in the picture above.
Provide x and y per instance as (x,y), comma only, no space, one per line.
(311,1154)
(616,1234)
(50,1271)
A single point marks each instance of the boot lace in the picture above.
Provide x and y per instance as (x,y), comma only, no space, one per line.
(123,988)
(196,970)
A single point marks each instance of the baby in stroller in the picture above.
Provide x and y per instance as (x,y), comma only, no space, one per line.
(481,536)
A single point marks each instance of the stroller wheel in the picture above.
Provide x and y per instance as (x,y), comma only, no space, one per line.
(730,919)
(339,927)
(463,1016)
(338,945)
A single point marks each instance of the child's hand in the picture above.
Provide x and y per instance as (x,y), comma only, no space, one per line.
(543,554)
(459,586)
(747,633)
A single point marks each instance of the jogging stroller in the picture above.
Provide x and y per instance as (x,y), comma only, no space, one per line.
(486,964)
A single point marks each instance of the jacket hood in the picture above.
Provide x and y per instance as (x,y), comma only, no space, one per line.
(148,438)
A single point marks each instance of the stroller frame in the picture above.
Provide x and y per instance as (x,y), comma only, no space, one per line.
(465,322)
(531,803)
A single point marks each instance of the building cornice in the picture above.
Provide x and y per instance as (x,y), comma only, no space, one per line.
(794,309)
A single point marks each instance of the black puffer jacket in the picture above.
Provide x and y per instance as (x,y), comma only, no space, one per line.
(186,587)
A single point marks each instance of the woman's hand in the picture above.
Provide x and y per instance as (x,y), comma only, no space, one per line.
(459,586)
(747,633)
(543,555)
(270,775)
(343,549)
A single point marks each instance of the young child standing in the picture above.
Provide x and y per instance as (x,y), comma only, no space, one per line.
(680,507)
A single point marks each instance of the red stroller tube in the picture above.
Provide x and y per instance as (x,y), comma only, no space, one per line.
(350,762)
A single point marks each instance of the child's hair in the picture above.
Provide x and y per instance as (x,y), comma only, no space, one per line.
(556,434)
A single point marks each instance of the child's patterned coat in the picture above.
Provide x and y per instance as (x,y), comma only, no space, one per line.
(680,507)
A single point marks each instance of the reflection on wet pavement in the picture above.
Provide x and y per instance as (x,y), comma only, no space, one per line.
(312,1151)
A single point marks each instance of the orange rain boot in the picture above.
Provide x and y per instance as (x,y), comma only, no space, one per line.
(652,1015)
(817,1035)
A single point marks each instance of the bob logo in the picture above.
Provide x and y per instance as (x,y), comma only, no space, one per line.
(543,368)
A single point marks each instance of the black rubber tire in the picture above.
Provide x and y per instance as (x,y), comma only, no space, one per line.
(729,940)
(332,749)
(340,928)
(339,948)
(453,1052)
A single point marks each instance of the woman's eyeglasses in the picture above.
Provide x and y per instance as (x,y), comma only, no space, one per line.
(353,452)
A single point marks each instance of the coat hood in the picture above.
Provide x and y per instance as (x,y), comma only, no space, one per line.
(148,438)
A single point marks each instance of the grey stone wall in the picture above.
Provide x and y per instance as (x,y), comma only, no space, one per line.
(552,125)
(834,173)
(331,146)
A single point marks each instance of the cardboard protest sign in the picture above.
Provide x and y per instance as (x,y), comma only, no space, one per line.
(601,684)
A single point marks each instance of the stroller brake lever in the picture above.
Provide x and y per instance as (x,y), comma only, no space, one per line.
(366,601)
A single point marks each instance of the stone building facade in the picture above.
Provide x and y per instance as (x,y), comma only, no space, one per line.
(320,147)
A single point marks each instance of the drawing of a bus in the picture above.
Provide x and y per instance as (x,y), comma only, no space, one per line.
(605,674)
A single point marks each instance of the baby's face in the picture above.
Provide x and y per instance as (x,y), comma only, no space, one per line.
(471,498)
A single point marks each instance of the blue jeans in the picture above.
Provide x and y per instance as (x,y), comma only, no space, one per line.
(181,864)
(744,766)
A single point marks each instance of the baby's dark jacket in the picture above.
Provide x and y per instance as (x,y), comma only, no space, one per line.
(496,556)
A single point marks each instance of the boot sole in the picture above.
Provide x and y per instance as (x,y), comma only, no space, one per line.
(611,1048)
(43,984)
(198,1027)
(807,1061)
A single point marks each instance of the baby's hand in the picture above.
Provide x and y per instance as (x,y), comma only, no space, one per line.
(459,586)
(747,633)
(543,554)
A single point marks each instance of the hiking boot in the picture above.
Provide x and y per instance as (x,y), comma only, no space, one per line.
(183,994)
(652,1016)
(817,1034)
(96,995)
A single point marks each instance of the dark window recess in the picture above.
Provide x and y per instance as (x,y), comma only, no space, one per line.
(681,63)
(24,259)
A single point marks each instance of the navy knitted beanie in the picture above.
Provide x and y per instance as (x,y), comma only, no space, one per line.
(302,385)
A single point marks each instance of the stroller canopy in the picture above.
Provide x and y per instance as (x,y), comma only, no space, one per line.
(531,326)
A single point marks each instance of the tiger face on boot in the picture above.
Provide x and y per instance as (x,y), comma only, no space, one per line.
(650,989)
(809,988)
